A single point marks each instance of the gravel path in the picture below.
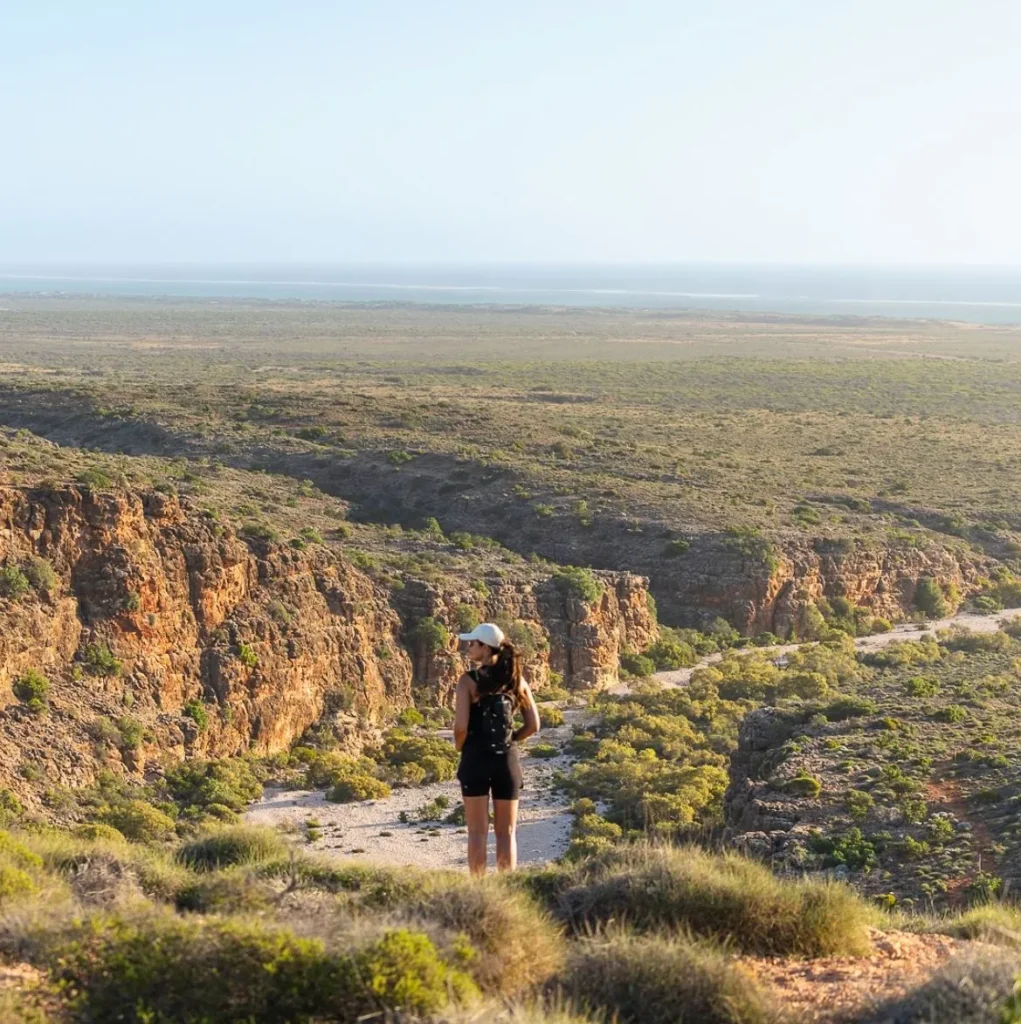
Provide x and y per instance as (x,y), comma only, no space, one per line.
(371,830)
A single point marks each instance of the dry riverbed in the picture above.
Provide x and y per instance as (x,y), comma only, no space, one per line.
(372,829)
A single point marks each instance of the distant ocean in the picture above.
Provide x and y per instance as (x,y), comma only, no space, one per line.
(979,295)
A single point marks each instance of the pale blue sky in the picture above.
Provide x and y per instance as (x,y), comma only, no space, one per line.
(757,130)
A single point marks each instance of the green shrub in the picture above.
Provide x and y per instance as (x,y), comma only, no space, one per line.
(94,478)
(636,664)
(850,707)
(551,718)
(357,787)
(724,897)
(225,892)
(929,599)
(804,784)
(852,850)
(409,718)
(32,689)
(661,980)
(198,785)
(431,634)
(146,969)
(543,750)
(859,803)
(40,574)
(467,618)
(196,711)
(258,531)
(921,686)
(579,583)
(228,847)
(99,660)
(130,733)
(139,821)
(95,830)
(437,756)
(517,947)
(676,547)
(15,882)
(669,654)
(13,583)
(247,655)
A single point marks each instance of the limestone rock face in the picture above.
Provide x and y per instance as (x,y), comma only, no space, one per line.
(757,597)
(265,639)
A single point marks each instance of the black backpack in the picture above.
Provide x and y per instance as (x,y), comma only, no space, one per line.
(496,722)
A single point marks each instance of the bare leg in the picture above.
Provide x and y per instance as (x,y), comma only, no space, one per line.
(505,822)
(476,816)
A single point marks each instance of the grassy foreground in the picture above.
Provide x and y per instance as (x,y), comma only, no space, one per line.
(236,926)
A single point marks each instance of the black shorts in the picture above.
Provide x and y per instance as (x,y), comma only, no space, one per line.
(482,774)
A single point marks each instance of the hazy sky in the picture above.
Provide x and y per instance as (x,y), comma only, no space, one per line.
(758,130)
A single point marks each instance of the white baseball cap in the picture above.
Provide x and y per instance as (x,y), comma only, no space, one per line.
(487,633)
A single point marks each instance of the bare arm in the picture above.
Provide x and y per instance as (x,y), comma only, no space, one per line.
(530,713)
(462,709)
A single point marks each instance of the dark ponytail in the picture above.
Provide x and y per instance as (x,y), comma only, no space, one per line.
(504,676)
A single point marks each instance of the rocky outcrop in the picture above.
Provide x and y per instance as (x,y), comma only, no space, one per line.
(771,593)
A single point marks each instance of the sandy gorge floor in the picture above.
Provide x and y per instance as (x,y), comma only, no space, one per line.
(372,829)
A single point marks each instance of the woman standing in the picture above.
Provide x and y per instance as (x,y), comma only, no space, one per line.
(487,697)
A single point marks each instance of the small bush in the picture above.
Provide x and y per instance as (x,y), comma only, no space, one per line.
(723,897)
(636,664)
(247,655)
(644,980)
(579,583)
(201,785)
(40,575)
(409,718)
(140,821)
(804,785)
(15,882)
(431,634)
(675,547)
(32,689)
(551,718)
(94,478)
(13,583)
(543,750)
(196,711)
(669,654)
(229,847)
(929,599)
(95,830)
(99,660)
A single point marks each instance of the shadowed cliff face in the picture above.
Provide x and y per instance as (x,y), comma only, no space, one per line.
(225,645)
